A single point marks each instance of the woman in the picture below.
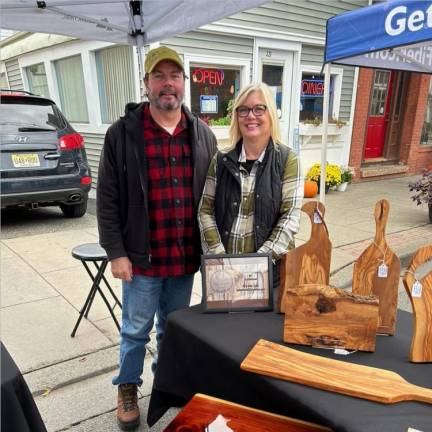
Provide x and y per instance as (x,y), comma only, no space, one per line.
(253,192)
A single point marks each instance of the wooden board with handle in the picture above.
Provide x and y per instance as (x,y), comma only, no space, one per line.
(366,278)
(202,410)
(324,316)
(310,262)
(277,361)
(420,295)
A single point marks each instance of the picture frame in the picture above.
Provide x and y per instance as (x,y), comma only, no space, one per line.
(237,282)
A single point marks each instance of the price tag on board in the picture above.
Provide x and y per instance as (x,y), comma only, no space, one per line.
(416,290)
(317,217)
(382,271)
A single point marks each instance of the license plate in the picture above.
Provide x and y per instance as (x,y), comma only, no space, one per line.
(26,160)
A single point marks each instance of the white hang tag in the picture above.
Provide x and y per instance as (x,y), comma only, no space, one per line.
(413,430)
(317,217)
(382,271)
(416,290)
(341,351)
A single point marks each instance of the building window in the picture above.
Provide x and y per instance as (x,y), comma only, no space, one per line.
(212,93)
(70,80)
(312,96)
(115,81)
(426,136)
(37,79)
(272,75)
(3,81)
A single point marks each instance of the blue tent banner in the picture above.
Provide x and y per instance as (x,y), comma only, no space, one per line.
(391,35)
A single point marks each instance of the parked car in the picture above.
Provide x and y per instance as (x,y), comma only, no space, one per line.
(43,160)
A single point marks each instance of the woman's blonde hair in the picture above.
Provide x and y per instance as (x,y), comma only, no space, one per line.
(263,89)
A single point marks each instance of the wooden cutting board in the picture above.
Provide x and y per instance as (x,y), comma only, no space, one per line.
(421,301)
(324,316)
(268,358)
(366,280)
(310,262)
(203,410)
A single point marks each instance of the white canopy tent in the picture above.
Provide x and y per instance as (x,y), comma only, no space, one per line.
(396,34)
(117,21)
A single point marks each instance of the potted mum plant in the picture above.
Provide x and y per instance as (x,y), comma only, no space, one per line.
(423,190)
(333,175)
(346,178)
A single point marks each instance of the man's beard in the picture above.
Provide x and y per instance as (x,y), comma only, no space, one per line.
(165,105)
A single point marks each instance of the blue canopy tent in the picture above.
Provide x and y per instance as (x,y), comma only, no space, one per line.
(395,35)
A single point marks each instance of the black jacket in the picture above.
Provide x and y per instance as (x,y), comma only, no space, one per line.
(268,191)
(122,188)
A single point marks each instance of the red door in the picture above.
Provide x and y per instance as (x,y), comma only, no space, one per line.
(378,114)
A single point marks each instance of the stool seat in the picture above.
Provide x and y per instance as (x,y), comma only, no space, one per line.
(93,252)
(89,252)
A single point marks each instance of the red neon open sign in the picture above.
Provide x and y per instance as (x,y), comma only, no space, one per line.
(312,87)
(208,76)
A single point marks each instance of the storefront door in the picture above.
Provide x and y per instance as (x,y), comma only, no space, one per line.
(379,110)
(276,70)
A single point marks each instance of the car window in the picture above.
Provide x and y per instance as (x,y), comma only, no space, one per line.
(17,113)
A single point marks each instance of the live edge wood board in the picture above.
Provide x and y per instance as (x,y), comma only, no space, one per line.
(323,316)
(421,301)
(310,262)
(202,410)
(277,361)
(366,280)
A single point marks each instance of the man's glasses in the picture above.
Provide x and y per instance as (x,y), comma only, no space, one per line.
(258,110)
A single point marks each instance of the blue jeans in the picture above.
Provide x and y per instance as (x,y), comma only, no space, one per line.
(144,297)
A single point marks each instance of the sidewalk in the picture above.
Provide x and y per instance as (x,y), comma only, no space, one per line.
(43,288)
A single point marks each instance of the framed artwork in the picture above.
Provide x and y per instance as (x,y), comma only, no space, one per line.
(235,283)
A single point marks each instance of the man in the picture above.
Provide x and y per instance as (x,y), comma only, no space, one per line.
(151,176)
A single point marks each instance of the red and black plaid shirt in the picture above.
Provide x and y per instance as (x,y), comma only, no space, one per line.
(170,199)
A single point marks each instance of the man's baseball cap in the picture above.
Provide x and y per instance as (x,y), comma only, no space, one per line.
(157,55)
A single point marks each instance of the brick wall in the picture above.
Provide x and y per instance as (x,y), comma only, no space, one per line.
(415,156)
(360,119)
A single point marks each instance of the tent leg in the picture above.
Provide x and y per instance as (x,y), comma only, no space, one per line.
(327,71)
(139,51)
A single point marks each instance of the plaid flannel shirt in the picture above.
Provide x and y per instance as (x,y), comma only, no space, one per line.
(242,238)
(170,200)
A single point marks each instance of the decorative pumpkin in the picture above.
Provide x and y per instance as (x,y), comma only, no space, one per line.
(310,188)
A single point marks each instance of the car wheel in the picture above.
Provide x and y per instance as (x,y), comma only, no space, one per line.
(74,210)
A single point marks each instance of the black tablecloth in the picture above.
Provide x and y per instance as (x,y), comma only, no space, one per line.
(18,409)
(202,353)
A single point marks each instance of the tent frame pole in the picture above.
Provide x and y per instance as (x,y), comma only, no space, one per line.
(327,71)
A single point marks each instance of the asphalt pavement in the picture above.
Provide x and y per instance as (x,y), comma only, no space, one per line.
(43,289)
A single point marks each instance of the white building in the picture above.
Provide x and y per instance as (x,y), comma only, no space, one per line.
(280,43)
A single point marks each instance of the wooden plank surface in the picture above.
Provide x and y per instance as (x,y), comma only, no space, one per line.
(202,410)
(421,301)
(321,315)
(278,361)
(366,280)
(310,262)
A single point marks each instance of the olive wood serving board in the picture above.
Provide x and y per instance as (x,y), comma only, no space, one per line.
(310,262)
(324,316)
(277,361)
(202,410)
(421,301)
(365,274)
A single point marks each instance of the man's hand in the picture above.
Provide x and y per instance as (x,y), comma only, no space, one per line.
(121,268)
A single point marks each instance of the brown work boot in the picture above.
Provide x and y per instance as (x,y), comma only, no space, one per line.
(128,416)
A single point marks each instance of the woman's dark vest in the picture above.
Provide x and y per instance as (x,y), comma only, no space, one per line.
(267,195)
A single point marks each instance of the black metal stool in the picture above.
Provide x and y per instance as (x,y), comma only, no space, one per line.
(96,254)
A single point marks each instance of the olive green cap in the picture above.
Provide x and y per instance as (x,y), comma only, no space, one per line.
(159,54)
